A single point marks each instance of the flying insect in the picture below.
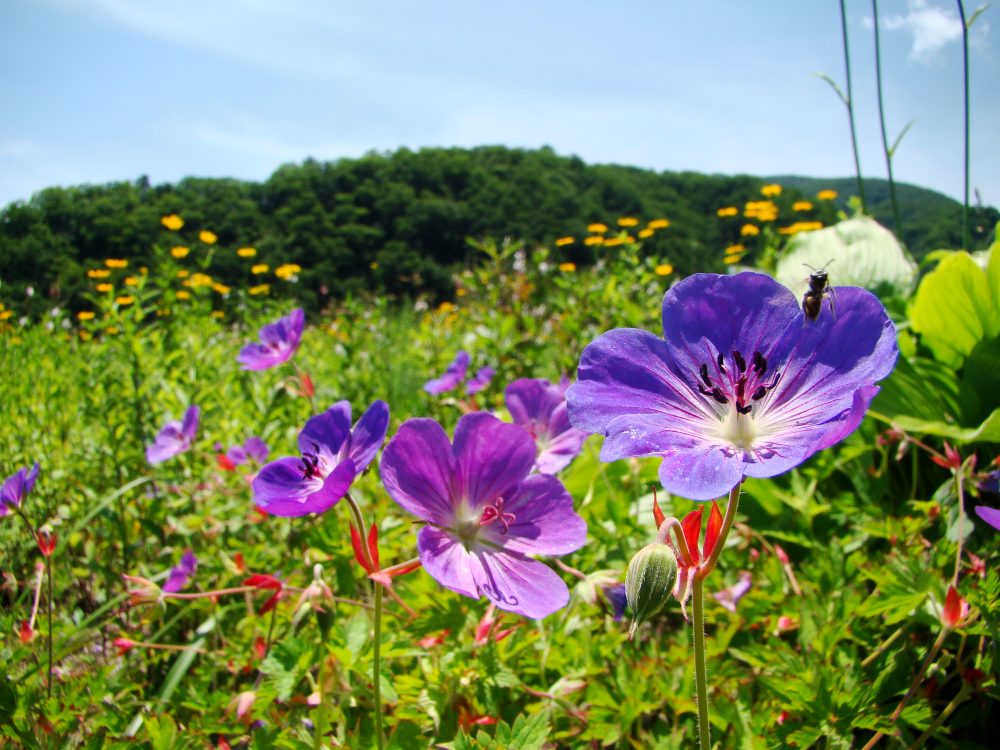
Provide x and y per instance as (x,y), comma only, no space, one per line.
(819,289)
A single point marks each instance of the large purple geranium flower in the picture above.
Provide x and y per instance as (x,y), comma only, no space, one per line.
(333,455)
(16,487)
(278,342)
(540,408)
(175,437)
(741,384)
(484,514)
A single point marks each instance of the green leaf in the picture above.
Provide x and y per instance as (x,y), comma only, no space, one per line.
(953,309)
(530,733)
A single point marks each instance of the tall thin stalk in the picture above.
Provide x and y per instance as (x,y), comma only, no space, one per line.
(965,113)
(897,224)
(849,101)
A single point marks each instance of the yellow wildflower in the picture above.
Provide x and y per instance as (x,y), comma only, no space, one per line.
(199,279)
(180,251)
(260,268)
(627,221)
(732,259)
(6,314)
(613,242)
(460,291)
(85,315)
(373,265)
(597,228)
(734,249)
(802,206)
(260,289)
(105,287)
(595,240)
(659,224)
(125,299)
(116,263)
(644,233)
(567,267)
(664,269)
(563,241)
(801,226)
(183,294)
(749,230)
(207,237)
(131,281)
(85,335)
(221,288)
(446,307)
(246,252)
(111,330)
(728,211)
(771,191)
(173,222)
(98,273)
(287,271)
(183,274)
(218,314)
(826,195)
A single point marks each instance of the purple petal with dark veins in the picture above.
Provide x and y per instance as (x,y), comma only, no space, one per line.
(417,470)
(326,433)
(544,520)
(279,341)
(282,489)
(491,456)
(517,583)
(369,434)
(446,560)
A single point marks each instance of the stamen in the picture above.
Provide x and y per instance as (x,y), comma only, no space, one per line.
(310,463)
(704,375)
(718,395)
(722,364)
(759,393)
(743,409)
(740,362)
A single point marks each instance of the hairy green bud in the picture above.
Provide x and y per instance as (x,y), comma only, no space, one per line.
(649,582)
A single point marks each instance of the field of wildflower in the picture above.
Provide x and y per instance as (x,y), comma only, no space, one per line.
(575,507)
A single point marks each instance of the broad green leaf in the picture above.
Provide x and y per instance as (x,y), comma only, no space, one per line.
(530,733)
(858,252)
(953,309)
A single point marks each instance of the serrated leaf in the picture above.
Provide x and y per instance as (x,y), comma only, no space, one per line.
(530,733)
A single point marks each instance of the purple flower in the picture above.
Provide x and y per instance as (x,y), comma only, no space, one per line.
(454,375)
(180,573)
(989,483)
(480,381)
(484,514)
(730,597)
(617,599)
(988,514)
(278,342)
(741,384)
(176,437)
(333,455)
(16,487)
(254,449)
(540,408)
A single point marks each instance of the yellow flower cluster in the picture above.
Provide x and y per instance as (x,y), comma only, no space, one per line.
(98,273)
(199,280)
(125,299)
(735,249)
(260,268)
(567,267)
(802,206)
(563,241)
(221,288)
(614,242)
(287,271)
(247,252)
(730,259)
(761,210)
(131,281)
(173,222)
(749,230)
(801,226)
(104,287)
(116,263)
(209,238)
(658,224)
(183,273)
(728,211)
(645,233)
(826,195)
(182,294)
(597,228)
(85,315)
(447,307)
(260,289)
(664,269)
(180,251)
(628,221)
(594,240)
(771,191)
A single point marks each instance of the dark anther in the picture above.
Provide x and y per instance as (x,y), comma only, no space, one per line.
(704,376)
(759,393)
(722,364)
(741,385)
(775,382)
(759,363)
(740,362)
(743,409)
(718,396)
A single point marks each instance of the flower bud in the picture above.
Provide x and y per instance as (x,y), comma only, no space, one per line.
(649,582)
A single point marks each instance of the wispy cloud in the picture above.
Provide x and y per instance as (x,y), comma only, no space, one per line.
(933,28)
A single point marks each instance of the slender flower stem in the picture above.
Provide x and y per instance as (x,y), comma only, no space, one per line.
(700,671)
(959,488)
(880,649)
(376,668)
(38,595)
(881,118)
(963,693)
(48,572)
(727,524)
(965,90)
(680,545)
(850,108)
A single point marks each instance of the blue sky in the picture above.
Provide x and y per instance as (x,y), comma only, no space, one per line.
(102,90)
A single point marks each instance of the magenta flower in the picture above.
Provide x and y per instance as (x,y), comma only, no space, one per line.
(540,408)
(16,487)
(333,455)
(454,375)
(480,381)
(741,384)
(176,437)
(485,515)
(985,512)
(180,573)
(278,342)
(254,449)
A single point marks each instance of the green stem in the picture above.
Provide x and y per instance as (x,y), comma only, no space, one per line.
(881,118)
(850,108)
(700,672)
(48,571)
(965,112)
(377,665)
(963,693)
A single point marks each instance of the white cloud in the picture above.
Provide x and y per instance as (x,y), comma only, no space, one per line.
(933,28)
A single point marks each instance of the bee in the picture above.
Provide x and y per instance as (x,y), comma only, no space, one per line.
(819,289)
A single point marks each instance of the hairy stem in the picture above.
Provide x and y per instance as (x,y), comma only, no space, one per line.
(377,665)
(700,671)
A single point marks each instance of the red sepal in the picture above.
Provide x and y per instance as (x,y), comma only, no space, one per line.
(955,608)
(359,553)
(263,581)
(712,530)
(225,462)
(657,513)
(692,530)
(46,542)
(373,545)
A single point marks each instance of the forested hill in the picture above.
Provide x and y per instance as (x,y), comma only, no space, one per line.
(398,222)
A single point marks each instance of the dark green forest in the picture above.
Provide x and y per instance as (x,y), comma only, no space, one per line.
(397,223)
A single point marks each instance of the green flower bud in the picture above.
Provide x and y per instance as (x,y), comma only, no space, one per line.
(649,582)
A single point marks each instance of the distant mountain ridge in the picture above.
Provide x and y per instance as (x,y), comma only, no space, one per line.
(397,223)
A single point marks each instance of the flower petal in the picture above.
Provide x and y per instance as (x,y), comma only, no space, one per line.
(454,375)
(189,428)
(368,434)
(532,400)
(417,469)
(282,490)
(491,456)
(447,561)
(326,433)
(519,584)
(545,522)
(990,515)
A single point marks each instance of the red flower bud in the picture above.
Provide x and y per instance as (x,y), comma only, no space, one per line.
(955,609)
(46,542)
